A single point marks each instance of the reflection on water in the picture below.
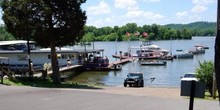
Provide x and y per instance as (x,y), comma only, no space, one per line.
(166,76)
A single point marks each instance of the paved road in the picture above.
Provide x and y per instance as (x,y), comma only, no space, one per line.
(28,98)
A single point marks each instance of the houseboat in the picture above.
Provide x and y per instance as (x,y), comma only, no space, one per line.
(18,57)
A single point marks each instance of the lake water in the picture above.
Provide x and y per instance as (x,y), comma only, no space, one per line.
(165,76)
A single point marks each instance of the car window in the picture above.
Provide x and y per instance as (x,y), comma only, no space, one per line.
(134,75)
(189,75)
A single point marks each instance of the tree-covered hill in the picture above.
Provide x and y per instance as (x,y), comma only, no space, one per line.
(201,28)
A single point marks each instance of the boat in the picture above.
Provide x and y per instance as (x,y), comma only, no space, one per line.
(183,55)
(150,51)
(146,43)
(153,63)
(156,48)
(148,54)
(199,49)
(116,67)
(18,57)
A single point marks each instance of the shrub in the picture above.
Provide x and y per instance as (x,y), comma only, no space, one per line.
(205,74)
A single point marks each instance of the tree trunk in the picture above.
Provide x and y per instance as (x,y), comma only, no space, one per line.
(55,67)
(217,51)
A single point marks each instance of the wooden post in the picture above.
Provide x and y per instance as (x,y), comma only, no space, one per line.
(2,74)
(214,87)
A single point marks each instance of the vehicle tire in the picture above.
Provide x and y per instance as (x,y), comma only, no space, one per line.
(125,84)
(142,83)
(137,84)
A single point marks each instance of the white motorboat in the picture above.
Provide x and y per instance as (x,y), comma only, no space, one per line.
(198,50)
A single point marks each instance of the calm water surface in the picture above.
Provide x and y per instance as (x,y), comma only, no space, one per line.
(165,76)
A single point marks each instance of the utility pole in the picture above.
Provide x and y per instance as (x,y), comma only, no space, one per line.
(30,72)
(217,50)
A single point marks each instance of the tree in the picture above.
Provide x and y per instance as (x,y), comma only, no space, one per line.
(50,23)
(88,37)
(131,27)
(205,74)
(4,35)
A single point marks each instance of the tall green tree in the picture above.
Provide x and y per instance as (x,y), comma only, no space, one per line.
(50,23)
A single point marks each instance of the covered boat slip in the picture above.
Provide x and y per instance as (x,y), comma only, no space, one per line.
(18,59)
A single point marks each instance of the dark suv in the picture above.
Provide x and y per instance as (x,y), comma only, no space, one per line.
(134,79)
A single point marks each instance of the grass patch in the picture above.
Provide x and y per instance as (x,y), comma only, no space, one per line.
(208,96)
(39,82)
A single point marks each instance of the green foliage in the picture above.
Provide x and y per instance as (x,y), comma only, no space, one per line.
(205,74)
(40,82)
(60,22)
(155,32)
(50,23)
(198,28)
(4,35)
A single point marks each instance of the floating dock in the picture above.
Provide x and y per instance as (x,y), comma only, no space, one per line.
(123,60)
(61,69)
(121,56)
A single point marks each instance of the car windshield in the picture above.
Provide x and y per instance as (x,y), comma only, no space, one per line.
(189,75)
(133,75)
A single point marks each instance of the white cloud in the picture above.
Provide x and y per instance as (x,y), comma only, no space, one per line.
(101,22)
(134,13)
(199,9)
(133,8)
(153,16)
(195,18)
(181,15)
(101,8)
(203,2)
(151,0)
(125,3)
(144,14)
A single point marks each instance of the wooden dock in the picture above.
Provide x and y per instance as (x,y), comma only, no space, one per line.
(62,69)
(122,61)
(121,56)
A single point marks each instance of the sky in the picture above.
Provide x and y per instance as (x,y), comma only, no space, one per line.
(101,13)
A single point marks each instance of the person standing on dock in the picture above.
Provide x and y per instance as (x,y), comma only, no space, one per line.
(69,62)
(106,60)
(31,71)
(120,54)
